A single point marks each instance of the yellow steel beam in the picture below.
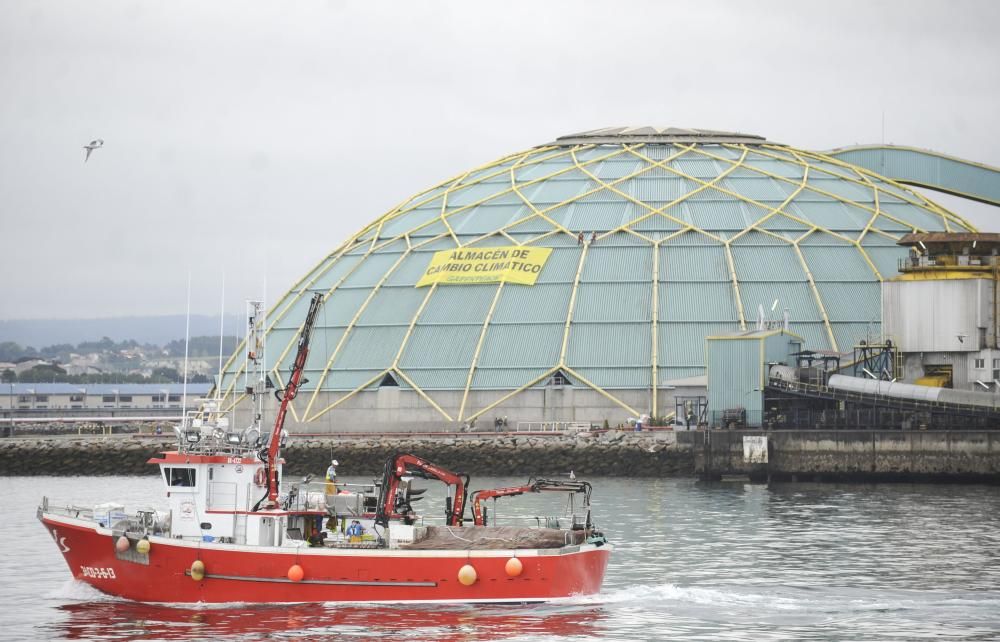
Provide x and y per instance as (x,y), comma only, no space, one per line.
(651,211)
(430,240)
(240,349)
(294,337)
(739,196)
(656,322)
(479,347)
(507,236)
(540,155)
(235,401)
(815,292)
(272,323)
(333,257)
(510,190)
(531,206)
(926,203)
(687,196)
(856,242)
(512,393)
(444,206)
(542,237)
(413,323)
(636,234)
(520,163)
(674,235)
(878,207)
(395,365)
(423,394)
(780,210)
(347,396)
(736,286)
(350,327)
(604,393)
(543,213)
(572,303)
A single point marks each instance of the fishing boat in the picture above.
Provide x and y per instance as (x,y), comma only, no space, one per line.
(235,530)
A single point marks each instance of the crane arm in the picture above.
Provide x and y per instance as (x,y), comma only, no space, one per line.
(291,389)
(533,486)
(491,493)
(399,466)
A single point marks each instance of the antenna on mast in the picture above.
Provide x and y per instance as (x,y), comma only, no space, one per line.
(187,341)
(222,333)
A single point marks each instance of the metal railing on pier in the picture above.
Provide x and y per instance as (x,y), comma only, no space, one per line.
(553,426)
(864,410)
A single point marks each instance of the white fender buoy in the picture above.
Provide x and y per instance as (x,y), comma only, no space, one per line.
(513,567)
(467,575)
(122,544)
(198,570)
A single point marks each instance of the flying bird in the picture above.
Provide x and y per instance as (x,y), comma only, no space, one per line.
(91,146)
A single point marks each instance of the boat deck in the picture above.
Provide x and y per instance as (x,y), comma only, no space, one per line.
(495,537)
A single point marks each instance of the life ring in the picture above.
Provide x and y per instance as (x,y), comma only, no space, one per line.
(260,477)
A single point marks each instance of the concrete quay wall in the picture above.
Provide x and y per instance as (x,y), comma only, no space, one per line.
(852,455)
(848,455)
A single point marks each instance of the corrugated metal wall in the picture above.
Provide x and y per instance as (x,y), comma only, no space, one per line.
(678,218)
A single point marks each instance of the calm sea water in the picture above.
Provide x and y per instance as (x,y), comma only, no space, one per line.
(694,561)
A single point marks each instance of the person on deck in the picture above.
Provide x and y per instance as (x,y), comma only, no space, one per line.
(355,531)
(331,478)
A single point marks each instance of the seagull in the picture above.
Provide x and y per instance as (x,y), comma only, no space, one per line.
(91,146)
(571,475)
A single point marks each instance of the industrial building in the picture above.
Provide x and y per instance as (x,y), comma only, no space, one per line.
(941,311)
(30,399)
(577,281)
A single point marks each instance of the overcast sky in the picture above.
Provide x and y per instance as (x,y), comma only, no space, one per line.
(252,138)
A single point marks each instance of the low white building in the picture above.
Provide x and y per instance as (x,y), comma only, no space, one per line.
(109,396)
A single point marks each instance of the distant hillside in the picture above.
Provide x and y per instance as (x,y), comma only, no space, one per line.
(158,330)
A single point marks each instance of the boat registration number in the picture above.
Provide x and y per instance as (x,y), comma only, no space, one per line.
(98,572)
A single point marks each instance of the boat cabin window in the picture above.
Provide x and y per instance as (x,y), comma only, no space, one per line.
(179,476)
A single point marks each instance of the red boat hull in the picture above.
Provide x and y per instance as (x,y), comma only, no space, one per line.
(251,574)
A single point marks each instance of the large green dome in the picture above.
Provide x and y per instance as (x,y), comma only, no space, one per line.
(695,231)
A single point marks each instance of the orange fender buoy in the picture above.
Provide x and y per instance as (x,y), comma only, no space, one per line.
(467,575)
(122,544)
(514,567)
(296,573)
(198,570)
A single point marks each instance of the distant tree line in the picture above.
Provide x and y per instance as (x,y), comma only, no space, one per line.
(206,346)
(111,359)
(55,374)
(202,347)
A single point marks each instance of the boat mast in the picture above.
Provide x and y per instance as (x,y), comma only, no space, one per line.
(222,332)
(187,341)
(286,395)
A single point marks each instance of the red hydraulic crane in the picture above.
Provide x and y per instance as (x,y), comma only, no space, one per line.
(533,486)
(285,396)
(400,466)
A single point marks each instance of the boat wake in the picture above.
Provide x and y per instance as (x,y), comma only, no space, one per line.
(645,594)
(795,602)
(77,591)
